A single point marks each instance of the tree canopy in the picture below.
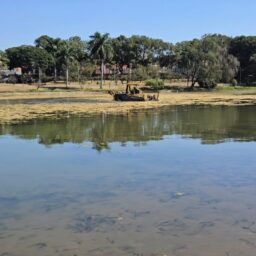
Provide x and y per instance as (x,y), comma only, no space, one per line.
(28,58)
(3,60)
(244,49)
(205,62)
(101,49)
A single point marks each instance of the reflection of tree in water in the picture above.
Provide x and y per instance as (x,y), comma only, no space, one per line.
(216,124)
(210,124)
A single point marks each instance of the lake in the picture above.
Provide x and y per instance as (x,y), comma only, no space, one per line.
(177,181)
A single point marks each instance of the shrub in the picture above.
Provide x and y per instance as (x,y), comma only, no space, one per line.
(207,83)
(156,84)
(140,74)
(12,79)
(234,82)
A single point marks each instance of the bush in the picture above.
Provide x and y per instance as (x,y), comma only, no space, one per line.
(234,82)
(156,84)
(12,79)
(207,83)
(140,73)
(47,79)
(27,79)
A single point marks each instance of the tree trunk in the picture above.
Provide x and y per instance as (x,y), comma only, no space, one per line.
(130,72)
(78,74)
(193,84)
(102,74)
(39,76)
(55,74)
(67,76)
(115,74)
(188,81)
(193,79)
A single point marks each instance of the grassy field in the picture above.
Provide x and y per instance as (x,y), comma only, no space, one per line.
(20,103)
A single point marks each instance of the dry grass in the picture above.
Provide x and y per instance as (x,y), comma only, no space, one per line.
(16,112)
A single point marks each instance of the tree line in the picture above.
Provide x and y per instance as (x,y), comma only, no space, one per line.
(203,62)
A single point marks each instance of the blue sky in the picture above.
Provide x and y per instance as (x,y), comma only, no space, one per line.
(171,20)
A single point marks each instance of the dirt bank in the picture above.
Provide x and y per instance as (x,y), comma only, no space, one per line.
(26,104)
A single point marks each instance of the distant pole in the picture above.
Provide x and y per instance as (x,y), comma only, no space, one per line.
(115,74)
(67,75)
(39,76)
(102,74)
(130,71)
(240,75)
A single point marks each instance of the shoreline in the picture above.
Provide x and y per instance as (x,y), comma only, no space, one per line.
(64,103)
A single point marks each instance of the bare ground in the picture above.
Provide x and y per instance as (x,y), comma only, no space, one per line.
(16,105)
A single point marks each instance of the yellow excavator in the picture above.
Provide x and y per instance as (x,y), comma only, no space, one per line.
(133,93)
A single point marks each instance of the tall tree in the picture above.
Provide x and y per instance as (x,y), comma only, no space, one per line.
(31,59)
(143,50)
(163,52)
(243,48)
(124,53)
(205,62)
(101,49)
(52,46)
(187,60)
(67,54)
(3,60)
(80,56)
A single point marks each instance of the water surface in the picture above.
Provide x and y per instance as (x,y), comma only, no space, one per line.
(175,181)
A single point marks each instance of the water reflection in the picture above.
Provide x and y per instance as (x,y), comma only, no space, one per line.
(210,124)
(173,196)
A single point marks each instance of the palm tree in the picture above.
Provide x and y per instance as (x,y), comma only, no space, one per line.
(101,48)
(52,46)
(79,53)
(66,54)
(55,48)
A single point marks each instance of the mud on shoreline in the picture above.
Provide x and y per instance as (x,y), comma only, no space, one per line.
(24,106)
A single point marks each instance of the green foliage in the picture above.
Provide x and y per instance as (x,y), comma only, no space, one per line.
(12,79)
(207,83)
(140,73)
(3,60)
(234,82)
(156,84)
(87,70)
(29,58)
(123,52)
(153,71)
(149,51)
(206,61)
(71,54)
(52,46)
(244,49)
(100,48)
(64,53)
